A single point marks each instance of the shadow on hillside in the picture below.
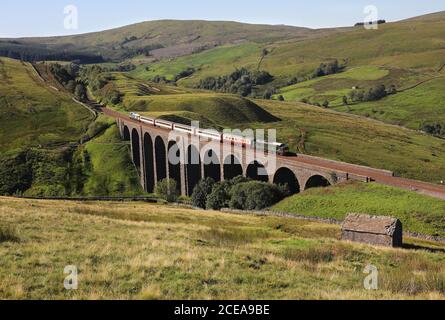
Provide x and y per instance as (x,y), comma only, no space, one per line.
(425,248)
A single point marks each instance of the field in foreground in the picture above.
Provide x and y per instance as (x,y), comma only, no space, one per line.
(140,251)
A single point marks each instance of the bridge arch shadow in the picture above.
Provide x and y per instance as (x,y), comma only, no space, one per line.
(285,177)
(161,159)
(135,146)
(126,134)
(212,166)
(257,171)
(174,164)
(232,168)
(193,169)
(317,181)
(149,164)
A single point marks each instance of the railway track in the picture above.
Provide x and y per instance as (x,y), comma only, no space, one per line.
(375,175)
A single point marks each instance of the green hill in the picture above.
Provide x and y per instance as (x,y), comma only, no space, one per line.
(164,100)
(32,114)
(160,39)
(40,129)
(404,55)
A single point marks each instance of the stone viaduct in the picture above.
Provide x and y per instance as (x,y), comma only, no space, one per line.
(152,147)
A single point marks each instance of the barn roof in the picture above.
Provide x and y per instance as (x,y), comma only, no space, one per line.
(370,224)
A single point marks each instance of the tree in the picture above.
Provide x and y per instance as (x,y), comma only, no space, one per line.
(220,196)
(80,92)
(167,189)
(326,104)
(202,190)
(264,53)
(280,98)
(255,195)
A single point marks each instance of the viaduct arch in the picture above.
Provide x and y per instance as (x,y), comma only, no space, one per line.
(212,166)
(161,159)
(135,148)
(232,168)
(174,164)
(149,164)
(193,168)
(157,156)
(285,177)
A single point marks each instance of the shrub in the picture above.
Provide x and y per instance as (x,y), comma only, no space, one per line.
(167,189)
(202,190)
(255,195)
(326,104)
(240,81)
(220,196)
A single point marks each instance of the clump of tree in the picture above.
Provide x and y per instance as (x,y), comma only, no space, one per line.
(144,51)
(241,81)
(184,74)
(160,79)
(255,195)
(372,94)
(101,84)
(436,129)
(201,192)
(167,189)
(328,68)
(67,76)
(240,193)
(34,52)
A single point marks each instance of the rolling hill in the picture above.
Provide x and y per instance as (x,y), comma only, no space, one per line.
(40,133)
(161,39)
(407,55)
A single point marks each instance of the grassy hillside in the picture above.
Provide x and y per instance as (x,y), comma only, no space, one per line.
(418,213)
(334,87)
(423,104)
(353,139)
(103,167)
(31,114)
(215,62)
(416,44)
(139,251)
(39,130)
(161,100)
(403,54)
(166,38)
(223,109)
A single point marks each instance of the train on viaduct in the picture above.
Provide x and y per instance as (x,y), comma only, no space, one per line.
(158,154)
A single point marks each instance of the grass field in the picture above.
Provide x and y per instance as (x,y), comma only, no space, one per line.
(411,108)
(32,114)
(215,62)
(140,251)
(349,138)
(418,213)
(334,87)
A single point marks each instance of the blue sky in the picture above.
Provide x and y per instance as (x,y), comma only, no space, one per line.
(46,17)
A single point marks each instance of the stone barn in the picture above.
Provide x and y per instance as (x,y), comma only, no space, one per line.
(381,231)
